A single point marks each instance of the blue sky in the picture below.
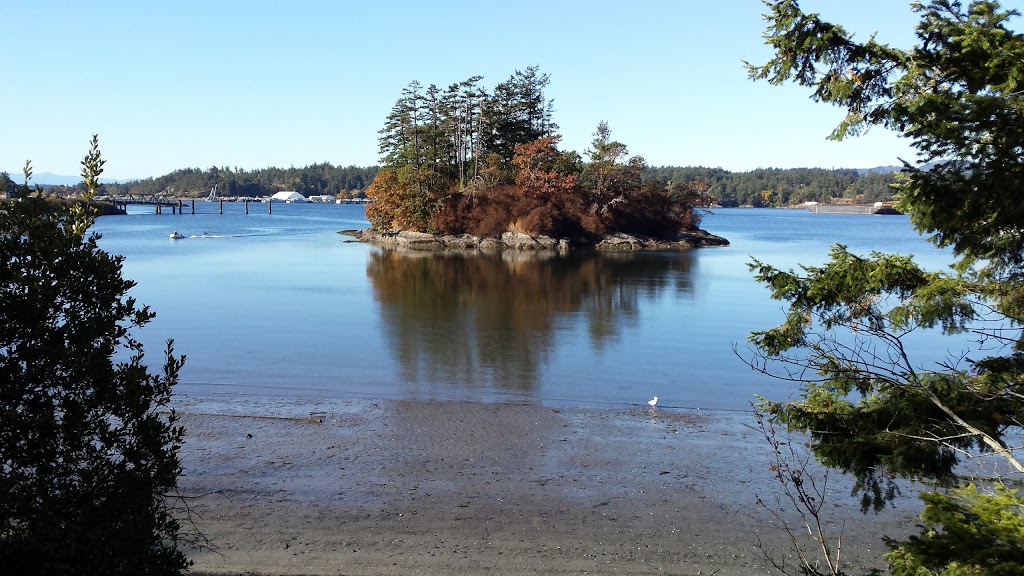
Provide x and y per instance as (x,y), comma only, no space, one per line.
(258,83)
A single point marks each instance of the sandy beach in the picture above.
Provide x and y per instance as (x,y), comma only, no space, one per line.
(418,487)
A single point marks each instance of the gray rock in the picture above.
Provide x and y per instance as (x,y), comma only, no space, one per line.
(518,241)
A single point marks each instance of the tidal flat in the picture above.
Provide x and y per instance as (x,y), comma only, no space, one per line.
(423,487)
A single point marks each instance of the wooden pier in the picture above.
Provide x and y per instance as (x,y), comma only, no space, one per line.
(177,205)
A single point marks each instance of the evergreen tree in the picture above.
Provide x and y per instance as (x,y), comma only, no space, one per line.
(517,112)
(463,161)
(88,445)
(7,186)
(870,408)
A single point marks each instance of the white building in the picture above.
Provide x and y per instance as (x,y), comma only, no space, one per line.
(288,196)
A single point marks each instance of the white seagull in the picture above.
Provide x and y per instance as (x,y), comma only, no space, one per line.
(653,402)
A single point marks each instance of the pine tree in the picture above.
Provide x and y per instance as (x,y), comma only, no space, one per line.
(871,409)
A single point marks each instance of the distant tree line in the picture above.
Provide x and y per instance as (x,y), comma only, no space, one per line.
(760,187)
(766,187)
(440,163)
(316,179)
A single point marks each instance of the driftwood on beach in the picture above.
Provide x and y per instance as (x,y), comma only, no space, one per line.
(525,242)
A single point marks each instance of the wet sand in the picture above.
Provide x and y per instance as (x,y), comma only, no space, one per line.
(458,488)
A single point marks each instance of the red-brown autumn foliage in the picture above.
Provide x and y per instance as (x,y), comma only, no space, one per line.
(475,211)
(548,201)
(386,195)
(546,198)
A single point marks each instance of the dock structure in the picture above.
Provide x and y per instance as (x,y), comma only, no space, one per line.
(177,205)
(159,202)
(876,208)
(180,205)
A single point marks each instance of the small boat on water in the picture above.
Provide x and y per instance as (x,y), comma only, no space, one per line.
(177,235)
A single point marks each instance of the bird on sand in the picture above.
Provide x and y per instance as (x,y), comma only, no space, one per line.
(653,402)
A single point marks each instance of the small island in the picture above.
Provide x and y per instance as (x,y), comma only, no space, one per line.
(464,168)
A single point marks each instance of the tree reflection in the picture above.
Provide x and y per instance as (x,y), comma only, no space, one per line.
(493,321)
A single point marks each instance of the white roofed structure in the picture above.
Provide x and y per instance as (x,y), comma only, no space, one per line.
(288,196)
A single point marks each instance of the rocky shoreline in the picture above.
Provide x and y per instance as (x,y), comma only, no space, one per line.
(525,242)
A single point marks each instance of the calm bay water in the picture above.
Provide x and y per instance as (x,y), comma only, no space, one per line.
(281,306)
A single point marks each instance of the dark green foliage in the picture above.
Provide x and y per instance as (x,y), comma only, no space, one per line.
(785,186)
(956,95)
(517,113)
(464,161)
(964,533)
(7,186)
(315,179)
(871,409)
(88,446)
(453,137)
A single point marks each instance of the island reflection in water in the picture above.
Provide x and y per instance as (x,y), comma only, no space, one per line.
(494,321)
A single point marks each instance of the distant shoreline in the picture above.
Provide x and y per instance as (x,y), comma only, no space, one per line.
(101,208)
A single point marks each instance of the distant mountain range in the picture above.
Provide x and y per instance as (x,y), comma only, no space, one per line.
(50,179)
(887,169)
(880,169)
